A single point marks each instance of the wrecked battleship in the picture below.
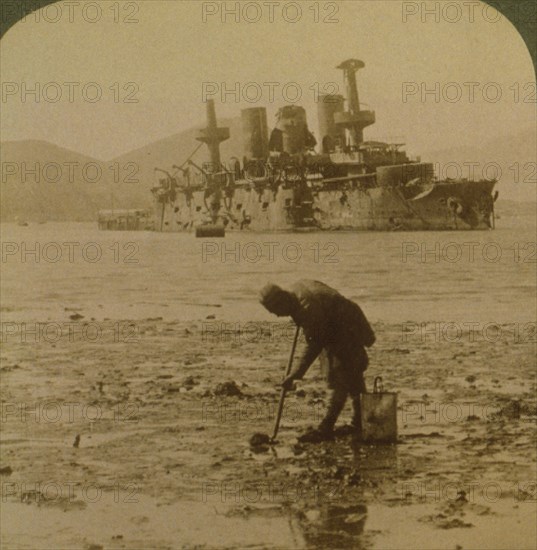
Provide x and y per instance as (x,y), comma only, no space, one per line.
(283,184)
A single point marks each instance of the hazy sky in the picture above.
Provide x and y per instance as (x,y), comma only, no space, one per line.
(170,52)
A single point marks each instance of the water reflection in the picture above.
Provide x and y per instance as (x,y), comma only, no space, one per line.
(364,467)
(331,526)
(375,463)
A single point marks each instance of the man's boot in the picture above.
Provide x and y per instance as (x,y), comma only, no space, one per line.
(317,435)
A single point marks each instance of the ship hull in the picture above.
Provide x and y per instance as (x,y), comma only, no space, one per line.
(434,207)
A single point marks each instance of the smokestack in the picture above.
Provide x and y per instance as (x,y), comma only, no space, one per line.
(255,133)
(330,133)
(291,134)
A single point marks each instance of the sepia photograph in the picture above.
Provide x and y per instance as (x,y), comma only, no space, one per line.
(268,274)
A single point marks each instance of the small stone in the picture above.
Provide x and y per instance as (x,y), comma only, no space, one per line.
(76,317)
(259,439)
(190,381)
(228,389)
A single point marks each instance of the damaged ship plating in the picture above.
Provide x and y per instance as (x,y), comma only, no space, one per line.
(282,184)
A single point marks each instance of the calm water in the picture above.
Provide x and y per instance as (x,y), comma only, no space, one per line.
(418,276)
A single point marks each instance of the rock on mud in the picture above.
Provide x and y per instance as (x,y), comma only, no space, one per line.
(228,389)
(259,439)
(76,317)
(189,382)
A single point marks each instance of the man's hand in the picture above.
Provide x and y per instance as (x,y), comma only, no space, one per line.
(289,383)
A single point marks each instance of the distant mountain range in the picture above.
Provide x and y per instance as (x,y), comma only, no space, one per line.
(70,186)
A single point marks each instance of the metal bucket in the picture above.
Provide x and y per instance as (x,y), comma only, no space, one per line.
(379,415)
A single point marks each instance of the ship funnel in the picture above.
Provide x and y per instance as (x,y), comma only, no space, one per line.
(291,134)
(330,134)
(353,120)
(212,136)
(255,133)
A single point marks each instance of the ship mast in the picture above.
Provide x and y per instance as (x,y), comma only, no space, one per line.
(353,120)
(216,176)
(212,136)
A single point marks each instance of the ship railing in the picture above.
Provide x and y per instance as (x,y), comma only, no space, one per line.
(358,181)
(437,180)
(252,183)
(388,140)
(340,157)
(357,177)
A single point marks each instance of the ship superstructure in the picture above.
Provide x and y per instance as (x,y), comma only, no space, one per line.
(281,183)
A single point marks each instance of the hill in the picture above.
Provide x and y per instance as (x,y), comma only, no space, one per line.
(42,181)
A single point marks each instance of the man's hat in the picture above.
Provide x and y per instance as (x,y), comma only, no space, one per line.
(272,294)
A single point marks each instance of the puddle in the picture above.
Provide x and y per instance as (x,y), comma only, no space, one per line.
(509,525)
(131,520)
(136,521)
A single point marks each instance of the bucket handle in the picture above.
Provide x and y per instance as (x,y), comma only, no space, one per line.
(378,386)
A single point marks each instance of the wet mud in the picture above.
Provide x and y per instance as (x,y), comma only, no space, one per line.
(161,455)
(141,438)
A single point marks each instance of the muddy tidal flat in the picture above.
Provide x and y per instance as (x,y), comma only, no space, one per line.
(130,390)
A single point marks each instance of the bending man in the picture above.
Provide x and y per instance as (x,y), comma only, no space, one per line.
(338,328)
